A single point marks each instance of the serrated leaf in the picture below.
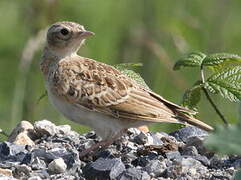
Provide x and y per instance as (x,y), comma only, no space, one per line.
(192,97)
(225,140)
(191,60)
(228,74)
(228,90)
(220,60)
(227,83)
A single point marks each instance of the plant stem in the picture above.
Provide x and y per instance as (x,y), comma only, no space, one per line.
(210,99)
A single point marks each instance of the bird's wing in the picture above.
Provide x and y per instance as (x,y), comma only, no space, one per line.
(88,82)
(101,87)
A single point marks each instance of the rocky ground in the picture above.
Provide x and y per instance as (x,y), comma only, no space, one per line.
(47,151)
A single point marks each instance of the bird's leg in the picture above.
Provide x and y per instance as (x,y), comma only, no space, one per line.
(102,144)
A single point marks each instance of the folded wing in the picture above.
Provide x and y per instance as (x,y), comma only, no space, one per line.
(101,87)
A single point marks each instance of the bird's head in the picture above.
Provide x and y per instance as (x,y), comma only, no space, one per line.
(65,38)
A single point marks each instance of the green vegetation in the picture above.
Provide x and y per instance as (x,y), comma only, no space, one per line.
(154,32)
(224,80)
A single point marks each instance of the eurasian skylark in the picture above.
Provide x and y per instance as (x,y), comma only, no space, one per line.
(98,95)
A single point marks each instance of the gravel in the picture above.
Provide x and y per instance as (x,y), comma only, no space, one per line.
(52,152)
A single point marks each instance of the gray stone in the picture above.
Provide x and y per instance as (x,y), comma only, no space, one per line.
(133,131)
(108,153)
(203,159)
(173,155)
(35,178)
(23,134)
(57,166)
(190,151)
(38,164)
(198,143)
(156,167)
(10,152)
(63,129)
(190,162)
(161,135)
(129,157)
(141,138)
(156,139)
(155,156)
(10,149)
(104,169)
(134,174)
(87,144)
(217,162)
(43,174)
(144,160)
(21,171)
(45,127)
(131,146)
(187,132)
(3,177)
(50,154)
(90,135)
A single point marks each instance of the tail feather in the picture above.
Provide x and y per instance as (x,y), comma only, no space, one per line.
(195,122)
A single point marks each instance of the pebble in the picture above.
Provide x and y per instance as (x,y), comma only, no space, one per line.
(63,129)
(21,170)
(190,151)
(142,138)
(35,178)
(155,167)
(104,169)
(2,177)
(57,166)
(137,155)
(45,127)
(187,132)
(6,172)
(173,155)
(23,134)
(134,174)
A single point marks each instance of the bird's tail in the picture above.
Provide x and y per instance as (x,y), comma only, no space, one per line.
(193,121)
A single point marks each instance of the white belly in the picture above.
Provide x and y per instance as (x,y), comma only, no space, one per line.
(104,125)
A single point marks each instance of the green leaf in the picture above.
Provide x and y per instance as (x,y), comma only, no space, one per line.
(228,74)
(192,96)
(127,65)
(124,68)
(225,140)
(220,60)
(191,60)
(226,83)
(225,89)
(135,76)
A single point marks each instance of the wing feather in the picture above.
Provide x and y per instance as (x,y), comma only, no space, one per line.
(101,87)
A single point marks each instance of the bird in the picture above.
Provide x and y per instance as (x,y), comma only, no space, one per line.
(98,95)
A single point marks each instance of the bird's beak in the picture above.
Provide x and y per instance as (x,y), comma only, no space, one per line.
(86,34)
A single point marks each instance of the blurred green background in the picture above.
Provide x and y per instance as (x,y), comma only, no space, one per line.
(153,32)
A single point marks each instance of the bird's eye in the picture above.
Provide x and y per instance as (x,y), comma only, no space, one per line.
(64,32)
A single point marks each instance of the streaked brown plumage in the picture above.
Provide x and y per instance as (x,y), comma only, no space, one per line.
(97,94)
